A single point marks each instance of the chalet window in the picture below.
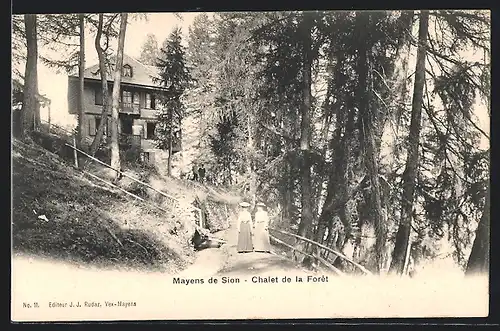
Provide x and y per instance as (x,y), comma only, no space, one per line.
(150,101)
(94,123)
(150,129)
(127,71)
(148,157)
(127,99)
(97,124)
(136,100)
(98,97)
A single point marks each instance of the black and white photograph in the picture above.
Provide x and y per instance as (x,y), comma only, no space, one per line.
(246,165)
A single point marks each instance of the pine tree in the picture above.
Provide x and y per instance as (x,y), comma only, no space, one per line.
(149,50)
(174,77)
(410,174)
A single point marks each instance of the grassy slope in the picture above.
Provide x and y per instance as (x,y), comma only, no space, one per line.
(217,203)
(83,217)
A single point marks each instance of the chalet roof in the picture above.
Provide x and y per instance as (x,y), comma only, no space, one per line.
(142,74)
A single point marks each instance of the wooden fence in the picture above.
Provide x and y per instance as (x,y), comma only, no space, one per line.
(72,144)
(168,197)
(317,255)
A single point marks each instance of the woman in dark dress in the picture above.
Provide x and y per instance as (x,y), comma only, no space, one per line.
(245,231)
(261,241)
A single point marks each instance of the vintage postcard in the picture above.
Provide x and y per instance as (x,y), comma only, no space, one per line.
(250,165)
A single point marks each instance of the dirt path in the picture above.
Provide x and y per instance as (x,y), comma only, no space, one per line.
(226,261)
(156,296)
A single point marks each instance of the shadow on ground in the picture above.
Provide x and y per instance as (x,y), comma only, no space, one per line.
(255,263)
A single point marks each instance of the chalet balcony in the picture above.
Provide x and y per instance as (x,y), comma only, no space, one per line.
(130,108)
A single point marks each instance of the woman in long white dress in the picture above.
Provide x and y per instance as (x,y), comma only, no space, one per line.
(245,231)
(261,241)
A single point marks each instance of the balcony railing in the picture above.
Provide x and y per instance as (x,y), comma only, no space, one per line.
(130,108)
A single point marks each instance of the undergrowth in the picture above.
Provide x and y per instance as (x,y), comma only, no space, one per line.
(96,224)
(60,213)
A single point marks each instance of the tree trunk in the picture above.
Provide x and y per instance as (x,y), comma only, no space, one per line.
(305,140)
(410,173)
(343,174)
(479,259)
(81,80)
(115,151)
(49,117)
(305,128)
(287,192)
(104,83)
(170,136)
(250,144)
(327,212)
(368,138)
(337,185)
(31,106)
(318,190)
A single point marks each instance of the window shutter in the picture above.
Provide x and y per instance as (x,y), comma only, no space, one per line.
(153,102)
(92,128)
(142,100)
(98,97)
(137,103)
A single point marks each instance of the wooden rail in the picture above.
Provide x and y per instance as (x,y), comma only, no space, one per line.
(342,256)
(124,191)
(75,149)
(69,133)
(144,201)
(123,173)
(326,263)
(134,179)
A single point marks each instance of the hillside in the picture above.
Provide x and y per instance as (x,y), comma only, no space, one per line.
(61,213)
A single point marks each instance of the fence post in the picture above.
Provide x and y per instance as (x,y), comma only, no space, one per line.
(75,154)
(49,117)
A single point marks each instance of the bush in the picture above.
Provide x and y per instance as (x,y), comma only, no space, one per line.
(132,154)
(215,214)
(86,222)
